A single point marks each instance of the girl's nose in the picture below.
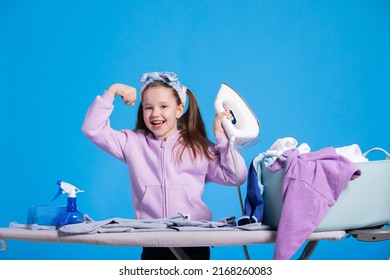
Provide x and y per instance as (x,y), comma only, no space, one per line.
(155,112)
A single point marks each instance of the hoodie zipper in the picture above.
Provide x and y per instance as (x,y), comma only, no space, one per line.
(163,178)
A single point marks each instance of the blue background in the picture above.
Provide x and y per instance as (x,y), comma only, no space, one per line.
(314,70)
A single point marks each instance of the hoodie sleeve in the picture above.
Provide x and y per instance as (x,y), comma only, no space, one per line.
(222,168)
(96,127)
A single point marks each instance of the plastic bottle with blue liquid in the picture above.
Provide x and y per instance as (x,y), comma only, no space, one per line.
(71,215)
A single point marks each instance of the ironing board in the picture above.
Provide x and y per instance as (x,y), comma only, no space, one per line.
(166,238)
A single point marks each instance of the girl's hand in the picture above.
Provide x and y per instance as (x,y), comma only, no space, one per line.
(127,93)
(217,127)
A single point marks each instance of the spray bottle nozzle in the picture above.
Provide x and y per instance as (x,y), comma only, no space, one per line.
(65,187)
(71,215)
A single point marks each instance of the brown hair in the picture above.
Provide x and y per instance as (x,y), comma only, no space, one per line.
(193,131)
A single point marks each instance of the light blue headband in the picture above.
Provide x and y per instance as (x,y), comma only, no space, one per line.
(170,78)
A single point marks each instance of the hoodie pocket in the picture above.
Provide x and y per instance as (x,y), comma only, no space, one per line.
(151,204)
(184,199)
(178,198)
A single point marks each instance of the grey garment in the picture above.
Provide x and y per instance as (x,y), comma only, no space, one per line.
(31,226)
(177,222)
(220,226)
(254,226)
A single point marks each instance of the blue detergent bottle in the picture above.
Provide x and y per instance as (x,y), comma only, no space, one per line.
(71,215)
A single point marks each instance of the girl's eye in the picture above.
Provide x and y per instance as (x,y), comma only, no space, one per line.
(147,108)
(164,106)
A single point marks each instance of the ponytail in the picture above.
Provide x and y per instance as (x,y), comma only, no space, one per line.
(194,134)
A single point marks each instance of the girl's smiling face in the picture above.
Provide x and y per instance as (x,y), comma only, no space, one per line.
(161,111)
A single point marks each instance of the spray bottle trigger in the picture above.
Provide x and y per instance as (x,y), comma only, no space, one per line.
(59,193)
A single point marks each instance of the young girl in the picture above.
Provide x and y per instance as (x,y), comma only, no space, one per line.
(168,154)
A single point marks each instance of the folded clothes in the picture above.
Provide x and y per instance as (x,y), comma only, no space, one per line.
(178,222)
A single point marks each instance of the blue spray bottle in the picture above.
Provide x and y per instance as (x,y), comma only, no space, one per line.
(71,215)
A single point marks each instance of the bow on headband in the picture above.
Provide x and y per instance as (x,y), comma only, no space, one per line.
(169,78)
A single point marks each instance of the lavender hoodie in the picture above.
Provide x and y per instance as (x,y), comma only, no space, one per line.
(312,184)
(161,185)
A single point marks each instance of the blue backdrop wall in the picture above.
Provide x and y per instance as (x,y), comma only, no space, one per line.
(314,70)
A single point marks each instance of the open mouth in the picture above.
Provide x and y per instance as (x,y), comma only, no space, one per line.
(157,124)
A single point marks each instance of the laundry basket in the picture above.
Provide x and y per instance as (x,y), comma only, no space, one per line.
(364,202)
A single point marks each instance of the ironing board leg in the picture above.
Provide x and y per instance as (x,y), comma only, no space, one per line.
(3,244)
(179,253)
(308,250)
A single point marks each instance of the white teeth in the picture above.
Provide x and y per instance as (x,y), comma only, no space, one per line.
(157,122)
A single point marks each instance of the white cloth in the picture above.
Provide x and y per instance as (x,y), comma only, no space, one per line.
(287,143)
(352,152)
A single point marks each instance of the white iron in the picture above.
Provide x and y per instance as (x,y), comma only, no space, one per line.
(245,127)
(242,130)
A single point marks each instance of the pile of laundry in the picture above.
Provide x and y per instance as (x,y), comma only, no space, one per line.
(312,184)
